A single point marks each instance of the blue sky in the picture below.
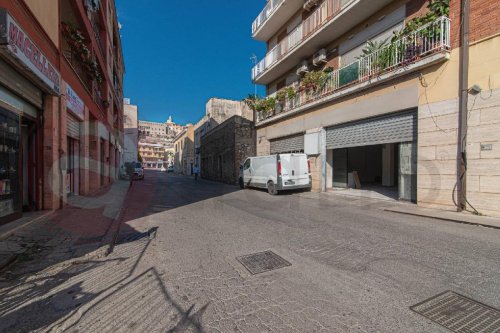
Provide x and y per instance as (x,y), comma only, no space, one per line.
(178,54)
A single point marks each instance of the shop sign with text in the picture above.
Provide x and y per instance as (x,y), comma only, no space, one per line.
(20,45)
(75,103)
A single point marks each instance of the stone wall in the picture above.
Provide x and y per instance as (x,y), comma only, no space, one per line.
(225,147)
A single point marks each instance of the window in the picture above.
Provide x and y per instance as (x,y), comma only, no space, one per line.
(246,166)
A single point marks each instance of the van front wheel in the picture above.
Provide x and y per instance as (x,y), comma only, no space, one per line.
(271,188)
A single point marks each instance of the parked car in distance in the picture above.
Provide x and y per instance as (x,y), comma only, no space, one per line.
(139,171)
(276,172)
(170,169)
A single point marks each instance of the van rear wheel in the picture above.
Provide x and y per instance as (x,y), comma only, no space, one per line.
(271,188)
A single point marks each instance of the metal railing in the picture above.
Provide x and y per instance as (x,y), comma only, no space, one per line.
(97,33)
(326,11)
(265,14)
(431,38)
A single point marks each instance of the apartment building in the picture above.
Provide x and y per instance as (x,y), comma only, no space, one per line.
(157,141)
(184,151)
(217,111)
(378,90)
(153,155)
(61,102)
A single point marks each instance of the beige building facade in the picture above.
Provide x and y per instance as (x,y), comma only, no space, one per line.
(368,95)
(217,111)
(184,160)
(131,132)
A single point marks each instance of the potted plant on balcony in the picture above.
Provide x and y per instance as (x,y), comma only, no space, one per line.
(411,43)
(284,95)
(313,82)
(375,58)
(262,106)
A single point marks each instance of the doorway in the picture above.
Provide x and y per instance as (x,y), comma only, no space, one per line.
(73,175)
(29,148)
(374,167)
(103,163)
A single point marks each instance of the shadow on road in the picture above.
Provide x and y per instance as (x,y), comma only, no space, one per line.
(154,194)
(97,296)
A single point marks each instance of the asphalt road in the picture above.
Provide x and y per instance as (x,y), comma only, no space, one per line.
(354,267)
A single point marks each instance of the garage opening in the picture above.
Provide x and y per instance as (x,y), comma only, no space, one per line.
(374,167)
(377,154)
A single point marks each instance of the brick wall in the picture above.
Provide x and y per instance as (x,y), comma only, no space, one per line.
(415,8)
(484,20)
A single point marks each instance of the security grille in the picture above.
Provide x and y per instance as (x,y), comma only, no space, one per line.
(73,127)
(401,127)
(289,144)
(459,313)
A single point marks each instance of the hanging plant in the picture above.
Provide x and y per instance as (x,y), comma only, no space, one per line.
(93,70)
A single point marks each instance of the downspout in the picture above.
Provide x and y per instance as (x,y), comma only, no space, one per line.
(463,110)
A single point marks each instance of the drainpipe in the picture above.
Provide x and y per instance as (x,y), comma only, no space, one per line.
(463,101)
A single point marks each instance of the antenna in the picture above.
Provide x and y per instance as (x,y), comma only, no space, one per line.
(254,61)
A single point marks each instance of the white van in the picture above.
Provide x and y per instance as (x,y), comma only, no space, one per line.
(276,172)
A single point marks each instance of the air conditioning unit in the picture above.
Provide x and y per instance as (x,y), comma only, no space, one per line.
(302,68)
(309,4)
(319,57)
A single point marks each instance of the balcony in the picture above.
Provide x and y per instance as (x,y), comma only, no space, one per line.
(263,28)
(330,20)
(424,47)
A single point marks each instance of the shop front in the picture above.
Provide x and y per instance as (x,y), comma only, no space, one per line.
(26,76)
(75,115)
(377,154)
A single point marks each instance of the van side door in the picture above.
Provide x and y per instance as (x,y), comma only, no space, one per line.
(247,171)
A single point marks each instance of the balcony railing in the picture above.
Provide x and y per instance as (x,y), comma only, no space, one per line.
(326,11)
(265,14)
(430,39)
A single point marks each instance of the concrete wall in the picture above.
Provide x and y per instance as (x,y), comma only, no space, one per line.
(131,133)
(47,14)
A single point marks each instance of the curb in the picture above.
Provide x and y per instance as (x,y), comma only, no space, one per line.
(447,219)
(111,237)
(9,232)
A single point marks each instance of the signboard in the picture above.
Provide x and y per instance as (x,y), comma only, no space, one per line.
(74,103)
(21,47)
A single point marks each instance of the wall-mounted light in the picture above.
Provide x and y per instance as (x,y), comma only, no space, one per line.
(475,89)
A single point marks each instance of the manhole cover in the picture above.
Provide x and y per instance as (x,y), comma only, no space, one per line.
(459,313)
(262,262)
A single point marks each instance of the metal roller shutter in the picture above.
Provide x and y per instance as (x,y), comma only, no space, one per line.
(288,144)
(401,127)
(21,86)
(73,127)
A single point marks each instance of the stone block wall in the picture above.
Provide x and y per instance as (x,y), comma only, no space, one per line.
(224,148)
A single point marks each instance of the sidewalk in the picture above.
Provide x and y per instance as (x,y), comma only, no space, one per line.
(384,202)
(46,238)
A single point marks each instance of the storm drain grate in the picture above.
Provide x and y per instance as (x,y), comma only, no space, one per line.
(262,262)
(459,313)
